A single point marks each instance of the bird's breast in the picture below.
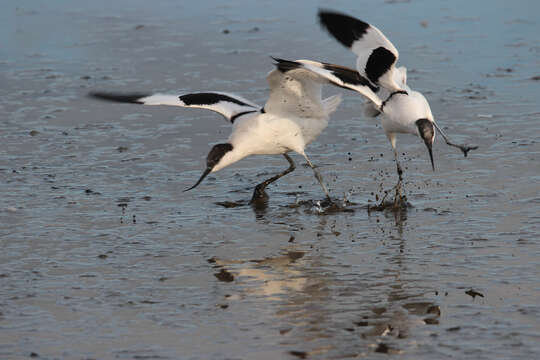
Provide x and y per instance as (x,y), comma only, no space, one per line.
(400,114)
(272,134)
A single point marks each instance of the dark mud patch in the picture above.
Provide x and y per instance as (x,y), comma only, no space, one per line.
(295,255)
(382,348)
(224,275)
(296,193)
(299,354)
(384,202)
(474,293)
(232,204)
(91,192)
(402,205)
(361,323)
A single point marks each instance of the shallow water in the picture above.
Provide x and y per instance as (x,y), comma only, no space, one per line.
(104,257)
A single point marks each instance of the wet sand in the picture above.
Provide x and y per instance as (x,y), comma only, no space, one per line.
(103,256)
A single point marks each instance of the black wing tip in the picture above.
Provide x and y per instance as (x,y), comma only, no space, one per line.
(326,13)
(330,16)
(284,65)
(349,76)
(345,28)
(131,98)
(209,98)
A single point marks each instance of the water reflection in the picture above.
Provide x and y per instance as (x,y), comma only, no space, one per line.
(350,311)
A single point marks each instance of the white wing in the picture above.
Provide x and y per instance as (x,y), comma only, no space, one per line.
(229,105)
(377,56)
(343,77)
(329,73)
(295,91)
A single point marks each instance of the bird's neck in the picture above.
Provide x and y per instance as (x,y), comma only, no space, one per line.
(403,92)
(236,154)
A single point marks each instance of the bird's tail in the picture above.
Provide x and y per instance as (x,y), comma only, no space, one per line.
(331,103)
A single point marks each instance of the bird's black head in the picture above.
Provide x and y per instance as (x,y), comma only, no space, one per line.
(214,157)
(427,133)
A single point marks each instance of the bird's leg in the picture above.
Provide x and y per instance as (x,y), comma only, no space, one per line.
(392,139)
(259,192)
(318,177)
(463,147)
(398,167)
(397,196)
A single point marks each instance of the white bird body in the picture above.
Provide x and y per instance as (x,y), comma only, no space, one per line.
(294,116)
(403,110)
(270,134)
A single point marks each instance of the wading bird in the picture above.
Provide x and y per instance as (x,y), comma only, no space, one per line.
(294,116)
(403,110)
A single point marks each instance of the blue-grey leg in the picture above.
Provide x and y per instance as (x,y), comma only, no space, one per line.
(259,192)
(318,177)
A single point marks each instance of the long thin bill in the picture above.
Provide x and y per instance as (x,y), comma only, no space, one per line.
(205,173)
(430,156)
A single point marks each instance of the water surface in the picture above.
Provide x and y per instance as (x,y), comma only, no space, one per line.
(103,256)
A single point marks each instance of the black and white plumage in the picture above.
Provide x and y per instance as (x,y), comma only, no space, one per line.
(294,116)
(229,105)
(377,56)
(403,109)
